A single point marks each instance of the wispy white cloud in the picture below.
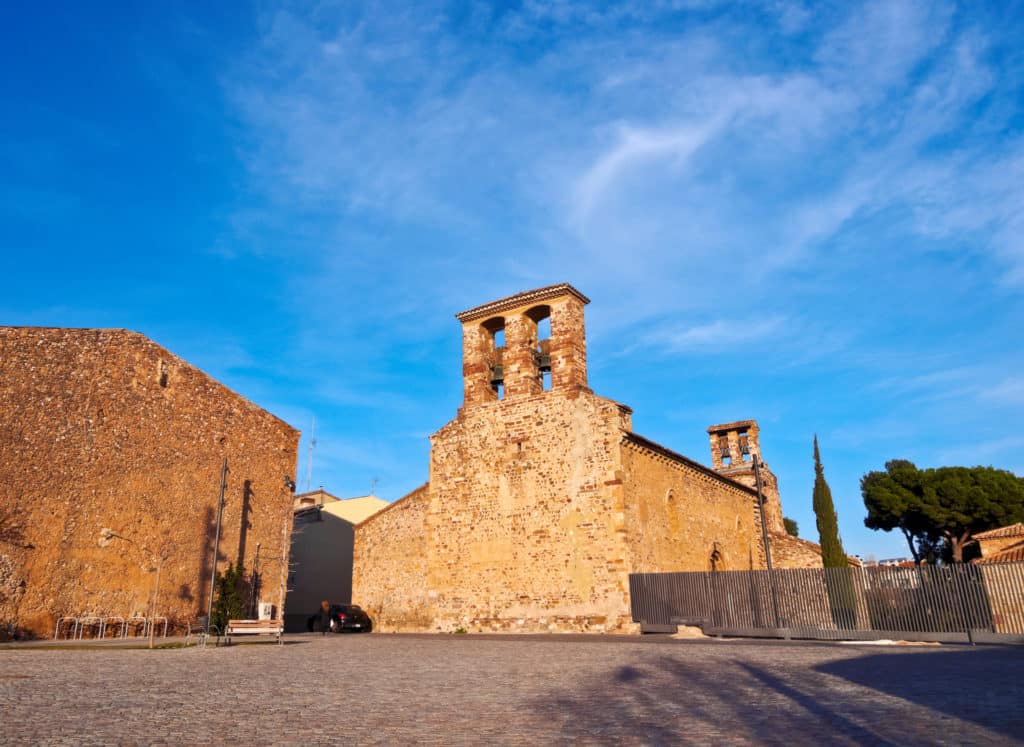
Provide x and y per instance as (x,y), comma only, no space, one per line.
(1000,452)
(716,335)
(634,147)
(1007,392)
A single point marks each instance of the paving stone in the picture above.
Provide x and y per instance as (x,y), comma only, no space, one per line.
(400,689)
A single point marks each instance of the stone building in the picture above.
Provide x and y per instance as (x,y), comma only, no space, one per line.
(541,500)
(1001,545)
(111,451)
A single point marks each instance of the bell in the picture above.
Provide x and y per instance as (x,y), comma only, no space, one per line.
(497,375)
(544,362)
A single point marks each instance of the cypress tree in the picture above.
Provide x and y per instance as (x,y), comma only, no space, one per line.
(229,603)
(832,553)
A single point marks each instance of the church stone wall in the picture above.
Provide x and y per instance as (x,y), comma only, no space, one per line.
(526,518)
(105,430)
(679,518)
(389,577)
(793,552)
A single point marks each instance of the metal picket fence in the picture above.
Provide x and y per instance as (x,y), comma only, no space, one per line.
(944,603)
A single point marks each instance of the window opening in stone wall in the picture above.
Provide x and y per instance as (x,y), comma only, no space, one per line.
(670,497)
(723,449)
(541,316)
(163,373)
(496,328)
(716,557)
(744,446)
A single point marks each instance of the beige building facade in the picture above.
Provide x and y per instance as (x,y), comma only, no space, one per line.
(542,500)
(320,563)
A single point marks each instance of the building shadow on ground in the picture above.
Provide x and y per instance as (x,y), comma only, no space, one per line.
(983,685)
(733,697)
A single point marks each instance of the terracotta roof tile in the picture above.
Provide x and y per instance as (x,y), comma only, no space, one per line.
(1013,530)
(520,299)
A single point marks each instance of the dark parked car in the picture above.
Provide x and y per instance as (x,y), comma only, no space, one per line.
(349,617)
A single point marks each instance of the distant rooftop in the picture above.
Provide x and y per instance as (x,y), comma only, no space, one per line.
(1012,530)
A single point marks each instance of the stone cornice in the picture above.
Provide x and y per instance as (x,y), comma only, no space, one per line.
(520,299)
(733,426)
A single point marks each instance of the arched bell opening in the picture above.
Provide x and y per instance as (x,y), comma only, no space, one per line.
(541,344)
(495,328)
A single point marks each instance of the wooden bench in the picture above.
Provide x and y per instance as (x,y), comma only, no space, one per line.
(253,627)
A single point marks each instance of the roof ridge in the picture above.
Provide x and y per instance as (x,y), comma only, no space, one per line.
(520,299)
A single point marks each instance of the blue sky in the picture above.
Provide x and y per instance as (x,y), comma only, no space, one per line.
(807,214)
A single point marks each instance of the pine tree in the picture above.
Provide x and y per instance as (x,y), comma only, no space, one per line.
(832,553)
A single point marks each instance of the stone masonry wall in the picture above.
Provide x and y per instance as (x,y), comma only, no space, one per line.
(793,552)
(389,577)
(105,430)
(525,526)
(678,517)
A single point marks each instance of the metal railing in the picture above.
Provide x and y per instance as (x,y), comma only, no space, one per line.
(97,627)
(984,602)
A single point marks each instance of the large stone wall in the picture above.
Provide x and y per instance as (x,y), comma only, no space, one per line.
(682,517)
(525,520)
(111,454)
(389,578)
(521,527)
(793,552)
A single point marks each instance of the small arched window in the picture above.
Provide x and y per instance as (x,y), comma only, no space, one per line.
(495,329)
(541,316)
(716,559)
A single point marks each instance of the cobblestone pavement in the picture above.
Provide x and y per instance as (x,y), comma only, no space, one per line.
(391,689)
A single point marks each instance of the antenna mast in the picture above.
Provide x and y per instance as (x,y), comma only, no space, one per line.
(309,464)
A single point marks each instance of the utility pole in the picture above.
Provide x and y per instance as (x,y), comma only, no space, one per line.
(766,541)
(216,541)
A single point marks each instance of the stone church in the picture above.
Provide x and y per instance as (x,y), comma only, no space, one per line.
(542,500)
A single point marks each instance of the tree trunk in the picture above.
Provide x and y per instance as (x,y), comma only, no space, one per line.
(910,543)
(956,544)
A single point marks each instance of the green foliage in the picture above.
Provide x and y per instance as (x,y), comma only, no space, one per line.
(459,631)
(792,528)
(229,602)
(832,553)
(939,510)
